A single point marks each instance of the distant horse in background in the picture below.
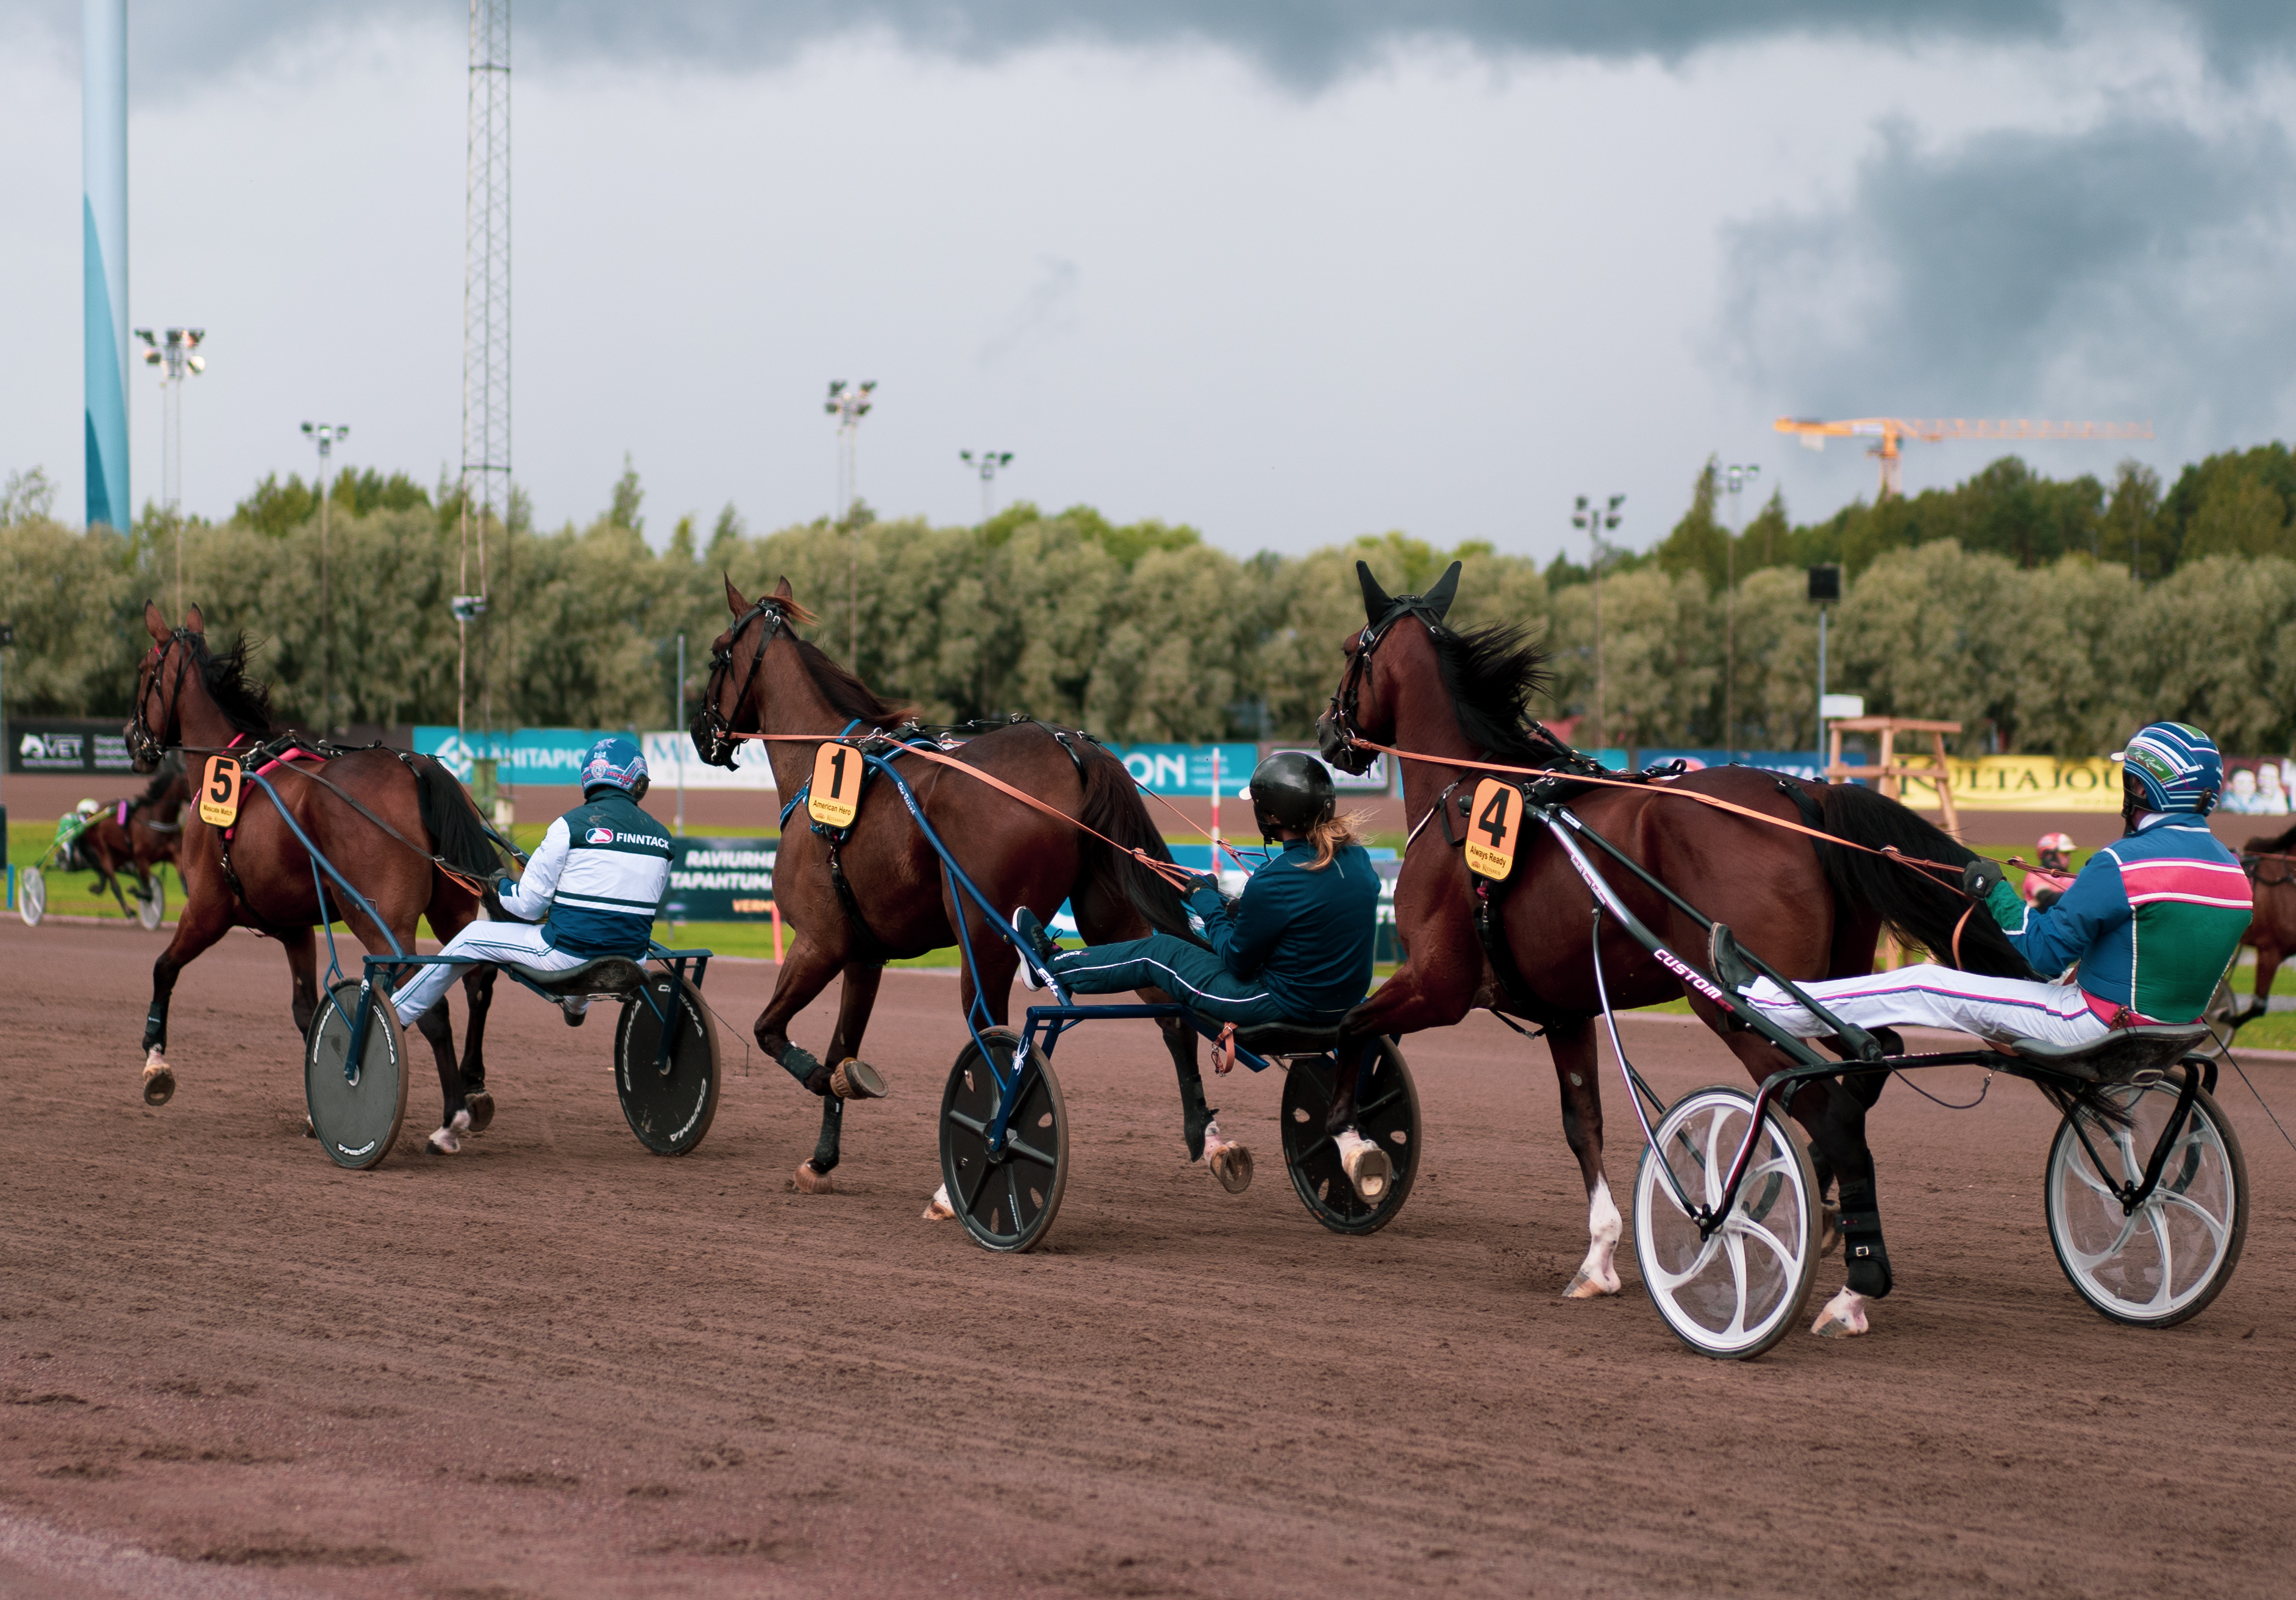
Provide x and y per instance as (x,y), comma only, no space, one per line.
(2271,865)
(256,873)
(137,835)
(877,891)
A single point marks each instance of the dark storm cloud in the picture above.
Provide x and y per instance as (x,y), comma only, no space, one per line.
(2136,268)
(1303,42)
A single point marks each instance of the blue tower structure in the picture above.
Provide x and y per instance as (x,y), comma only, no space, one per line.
(103,216)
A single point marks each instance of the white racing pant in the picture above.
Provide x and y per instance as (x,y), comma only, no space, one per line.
(520,944)
(1938,997)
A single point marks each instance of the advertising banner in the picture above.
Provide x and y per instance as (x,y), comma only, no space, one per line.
(1794,763)
(1187,769)
(66,745)
(553,755)
(669,754)
(721,879)
(2020,783)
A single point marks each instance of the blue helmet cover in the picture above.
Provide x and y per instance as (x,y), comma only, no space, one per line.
(616,760)
(2175,764)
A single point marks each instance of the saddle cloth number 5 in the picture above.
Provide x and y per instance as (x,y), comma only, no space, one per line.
(219,792)
(1492,825)
(835,793)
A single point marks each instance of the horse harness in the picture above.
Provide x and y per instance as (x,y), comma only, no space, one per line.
(2282,869)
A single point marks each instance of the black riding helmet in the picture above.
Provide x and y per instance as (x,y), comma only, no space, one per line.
(1291,790)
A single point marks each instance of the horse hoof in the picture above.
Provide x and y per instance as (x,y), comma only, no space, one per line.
(809,1182)
(856,1080)
(480,1107)
(159,1082)
(1586,1285)
(1844,1317)
(310,1131)
(938,1209)
(1829,1229)
(1232,1165)
(1367,1166)
(444,1143)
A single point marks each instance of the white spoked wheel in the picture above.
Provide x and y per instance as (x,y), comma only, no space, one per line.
(32,896)
(149,912)
(1733,1291)
(2164,1261)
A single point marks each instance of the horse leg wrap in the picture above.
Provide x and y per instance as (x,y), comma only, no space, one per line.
(832,1126)
(1195,1116)
(1862,1249)
(155,1030)
(802,1064)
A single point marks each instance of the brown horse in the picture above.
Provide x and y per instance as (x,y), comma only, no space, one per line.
(878,893)
(1412,683)
(137,836)
(256,873)
(2271,864)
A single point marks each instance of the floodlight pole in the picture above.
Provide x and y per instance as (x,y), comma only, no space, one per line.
(325,435)
(680,726)
(1737,478)
(177,360)
(1595,520)
(988,463)
(848,403)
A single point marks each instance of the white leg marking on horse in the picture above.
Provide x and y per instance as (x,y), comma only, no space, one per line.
(1230,1162)
(938,1209)
(159,1078)
(448,1140)
(809,1182)
(1844,1316)
(1365,1164)
(1598,1274)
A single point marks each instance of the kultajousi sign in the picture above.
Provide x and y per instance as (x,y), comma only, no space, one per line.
(2020,783)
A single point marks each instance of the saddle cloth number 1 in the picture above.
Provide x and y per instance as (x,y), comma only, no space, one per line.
(836,791)
(1492,823)
(219,792)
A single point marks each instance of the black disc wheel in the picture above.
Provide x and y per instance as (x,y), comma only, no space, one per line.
(1387,1113)
(2157,1264)
(1005,1198)
(669,1106)
(356,1109)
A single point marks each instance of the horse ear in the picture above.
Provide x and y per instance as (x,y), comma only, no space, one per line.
(195,622)
(781,590)
(1376,603)
(155,622)
(733,601)
(1446,590)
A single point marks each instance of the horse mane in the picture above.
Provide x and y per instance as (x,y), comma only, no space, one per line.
(1491,673)
(2282,845)
(847,694)
(245,703)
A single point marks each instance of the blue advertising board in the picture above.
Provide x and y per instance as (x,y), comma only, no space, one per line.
(532,755)
(721,879)
(1795,763)
(1187,769)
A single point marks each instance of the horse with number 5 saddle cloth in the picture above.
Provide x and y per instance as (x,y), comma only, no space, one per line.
(1493,914)
(861,884)
(399,827)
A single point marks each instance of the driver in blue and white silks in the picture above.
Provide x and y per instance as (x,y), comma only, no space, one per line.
(591,889)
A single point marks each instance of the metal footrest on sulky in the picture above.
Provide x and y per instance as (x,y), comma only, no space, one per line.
(1287,1038)
(615,977)
(2120,1056)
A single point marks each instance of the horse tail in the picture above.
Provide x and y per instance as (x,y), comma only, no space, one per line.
(451,817)
(1921,907)
(1112,808)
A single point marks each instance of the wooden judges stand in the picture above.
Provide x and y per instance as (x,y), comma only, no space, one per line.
(1892,776)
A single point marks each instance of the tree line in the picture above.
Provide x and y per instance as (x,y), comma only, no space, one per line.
(2048,617)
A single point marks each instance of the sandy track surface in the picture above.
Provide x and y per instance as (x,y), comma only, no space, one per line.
(560,1365)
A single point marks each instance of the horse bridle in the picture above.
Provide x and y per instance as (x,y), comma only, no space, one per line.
(1338,744)
(713,731)
(144,746)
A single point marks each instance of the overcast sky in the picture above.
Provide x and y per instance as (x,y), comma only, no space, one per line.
(1286,273)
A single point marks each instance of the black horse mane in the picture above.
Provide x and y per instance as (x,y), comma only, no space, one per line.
(847,694)
(2285,842)
(1491,673)
(245,703)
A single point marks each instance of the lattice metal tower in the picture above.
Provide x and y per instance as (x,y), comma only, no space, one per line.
(486,333)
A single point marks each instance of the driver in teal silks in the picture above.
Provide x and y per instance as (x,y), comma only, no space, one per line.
(1295,947)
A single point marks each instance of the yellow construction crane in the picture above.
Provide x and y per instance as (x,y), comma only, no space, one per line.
(1889,429)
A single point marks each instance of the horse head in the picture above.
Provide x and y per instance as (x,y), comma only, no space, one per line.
(158,719)
(1363,706)
(734,657)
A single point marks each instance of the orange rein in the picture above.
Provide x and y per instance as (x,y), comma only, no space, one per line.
(1178,877)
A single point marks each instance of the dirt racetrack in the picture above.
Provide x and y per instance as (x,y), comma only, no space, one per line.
(560,1365)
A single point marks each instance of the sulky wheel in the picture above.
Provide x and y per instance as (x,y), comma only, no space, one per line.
(354,1115)
(2166,1260)
(32,896)
(1738,1290)
(1387,1114)
(670,1110)
(153,908)
(1006,1199)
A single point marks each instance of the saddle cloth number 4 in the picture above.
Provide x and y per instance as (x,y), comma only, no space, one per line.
(835,793)
(1492,825)
(219,792)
